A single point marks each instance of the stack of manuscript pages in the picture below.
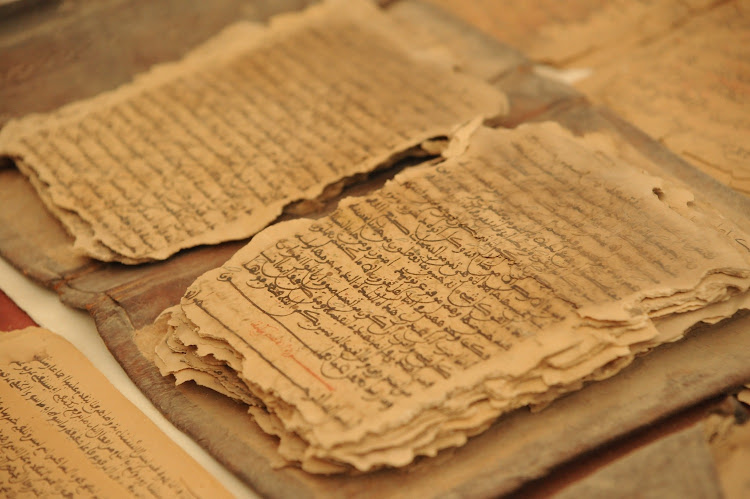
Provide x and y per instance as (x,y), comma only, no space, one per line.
(525,263)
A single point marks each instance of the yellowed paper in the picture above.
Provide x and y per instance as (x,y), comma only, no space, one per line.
(408,320)
(689,90)
(578,33)
(65,431)
(676,69)
(212,148)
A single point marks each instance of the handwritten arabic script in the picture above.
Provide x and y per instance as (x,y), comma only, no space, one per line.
(61,435)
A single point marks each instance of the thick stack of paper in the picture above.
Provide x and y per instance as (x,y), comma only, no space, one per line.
(409,319)
(213,148)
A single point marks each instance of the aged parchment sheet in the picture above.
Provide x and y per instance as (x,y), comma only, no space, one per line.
(689,90)
(212,148)
(575,33)
(409,319)
(676,69)
(65,431)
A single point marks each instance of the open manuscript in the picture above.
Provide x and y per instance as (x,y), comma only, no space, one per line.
(212,148)
(522,265)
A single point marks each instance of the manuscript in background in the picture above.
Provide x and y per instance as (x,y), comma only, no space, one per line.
(676,69)
(690,90)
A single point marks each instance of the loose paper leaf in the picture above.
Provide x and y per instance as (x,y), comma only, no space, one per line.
(66,431)
(212,148)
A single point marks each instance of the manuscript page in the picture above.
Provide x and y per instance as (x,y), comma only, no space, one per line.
(65,431)
(676,69)
(689,90)
(578,33)
(409,319)
(212,148)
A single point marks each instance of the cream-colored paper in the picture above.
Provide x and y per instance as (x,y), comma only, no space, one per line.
(408,320)
(212,148)
(689,89)
(66,432)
